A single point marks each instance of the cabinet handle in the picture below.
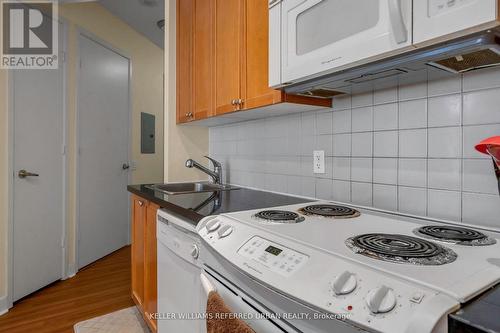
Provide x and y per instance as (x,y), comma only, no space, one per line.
(141,203)
(189,115)
(233,102)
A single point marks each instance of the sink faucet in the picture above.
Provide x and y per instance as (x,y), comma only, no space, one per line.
(216,174)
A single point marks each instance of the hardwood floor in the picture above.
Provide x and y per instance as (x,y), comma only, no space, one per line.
(98,289)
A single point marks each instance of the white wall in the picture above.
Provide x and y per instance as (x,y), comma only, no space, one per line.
(181,141)
(147,96)
(408,149)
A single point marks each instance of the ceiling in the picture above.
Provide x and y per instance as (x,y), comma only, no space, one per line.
(142,15)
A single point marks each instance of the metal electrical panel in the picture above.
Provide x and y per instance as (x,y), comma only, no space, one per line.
(147,133)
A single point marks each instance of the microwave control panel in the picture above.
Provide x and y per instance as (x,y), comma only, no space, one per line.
(437,7)
(275,257)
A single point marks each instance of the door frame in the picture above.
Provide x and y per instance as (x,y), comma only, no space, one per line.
(81,32)
(11,170)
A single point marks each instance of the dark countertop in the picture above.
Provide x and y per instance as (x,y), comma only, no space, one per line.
(195,206)
(481,315)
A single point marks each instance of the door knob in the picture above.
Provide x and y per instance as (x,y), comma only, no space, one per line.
(125,166)
(23,174)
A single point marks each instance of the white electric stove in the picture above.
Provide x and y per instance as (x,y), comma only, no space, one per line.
(368,270)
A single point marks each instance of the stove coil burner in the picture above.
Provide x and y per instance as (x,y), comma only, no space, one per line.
(279,216)
(401,249)
(454,235)
(333,211)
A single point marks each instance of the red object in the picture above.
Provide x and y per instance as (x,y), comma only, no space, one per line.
(349,307)
(490,146)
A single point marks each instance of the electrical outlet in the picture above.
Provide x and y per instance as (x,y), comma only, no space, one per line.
(319,161)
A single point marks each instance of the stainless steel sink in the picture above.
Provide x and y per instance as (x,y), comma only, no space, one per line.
(183,188)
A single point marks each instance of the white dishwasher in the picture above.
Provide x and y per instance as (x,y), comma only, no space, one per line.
(179,287)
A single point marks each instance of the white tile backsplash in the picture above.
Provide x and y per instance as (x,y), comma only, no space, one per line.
(444,204)
(385,197)
(341,190)
(444,174)
(482,209)
(481,107)
(445,142)
(408,148)
(445,110)
(385,144)
(361,169)
(362,119)
(479,176)
(362,144)
(385,117)
(412,200)
(413,114)
(341,168)
(413,172)
(385,171)
(413,143)
(362,194)
(341,121)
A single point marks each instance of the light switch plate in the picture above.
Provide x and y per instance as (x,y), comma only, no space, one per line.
(319,161)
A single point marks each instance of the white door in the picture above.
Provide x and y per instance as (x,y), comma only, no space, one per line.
(38,199)
(436,18)
(328,35)
(103,136)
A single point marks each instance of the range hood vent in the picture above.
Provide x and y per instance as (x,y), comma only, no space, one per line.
(446,59)
(468,62)
(321,93)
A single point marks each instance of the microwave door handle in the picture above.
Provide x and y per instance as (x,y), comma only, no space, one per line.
(273,3)
(397,22)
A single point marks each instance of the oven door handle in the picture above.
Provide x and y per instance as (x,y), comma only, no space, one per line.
(397,21)
(208,287)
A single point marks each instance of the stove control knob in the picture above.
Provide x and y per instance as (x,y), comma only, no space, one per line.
(195,251)
(225,231)
(344,283)
(381,300)
(213,225)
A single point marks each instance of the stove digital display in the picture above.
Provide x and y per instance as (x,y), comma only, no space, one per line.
(273,250)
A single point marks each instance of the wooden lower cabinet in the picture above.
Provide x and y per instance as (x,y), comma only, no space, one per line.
(144,280)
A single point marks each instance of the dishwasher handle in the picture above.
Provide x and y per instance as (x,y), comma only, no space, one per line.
(208,287)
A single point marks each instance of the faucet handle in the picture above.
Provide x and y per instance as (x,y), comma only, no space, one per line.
(215,163)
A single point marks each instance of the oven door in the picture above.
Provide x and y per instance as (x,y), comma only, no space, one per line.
(438,18)
(240,303)
(324,36)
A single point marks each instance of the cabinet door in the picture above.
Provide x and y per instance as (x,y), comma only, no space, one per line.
(150,279)
(184,56)
(229,24)
(203,58)
(258,92)
(139,206)
(437,18)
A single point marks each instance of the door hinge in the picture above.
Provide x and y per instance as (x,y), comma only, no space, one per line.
(64,58)
(63,151)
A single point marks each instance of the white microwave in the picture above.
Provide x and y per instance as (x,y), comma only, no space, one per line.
(311,38)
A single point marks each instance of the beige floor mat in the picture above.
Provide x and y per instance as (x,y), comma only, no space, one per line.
(124,321)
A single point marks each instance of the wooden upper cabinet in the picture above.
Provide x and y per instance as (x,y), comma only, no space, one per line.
(203,59)
(184,60)
(256,84)
(222,59)
(229,47)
